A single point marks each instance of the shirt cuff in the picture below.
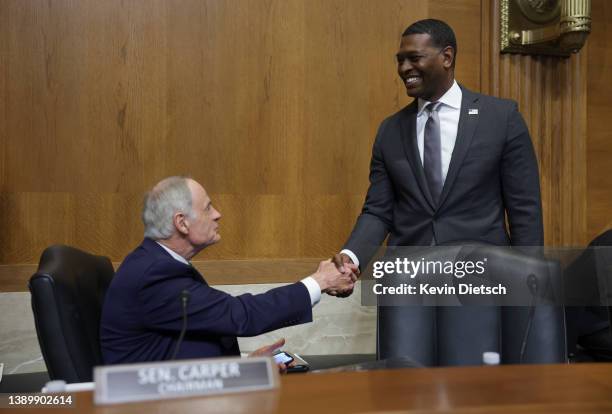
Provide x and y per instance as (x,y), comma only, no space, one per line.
(351,255)
(314,290)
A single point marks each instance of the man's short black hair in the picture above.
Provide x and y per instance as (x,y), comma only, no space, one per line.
(441,33)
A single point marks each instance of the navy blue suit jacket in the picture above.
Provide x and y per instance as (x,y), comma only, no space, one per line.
(493,172)
(142,313)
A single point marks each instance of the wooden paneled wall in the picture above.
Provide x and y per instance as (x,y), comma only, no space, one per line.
(271,104)
(551,93)
(599,113)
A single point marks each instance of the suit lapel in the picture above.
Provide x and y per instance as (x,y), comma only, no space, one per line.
(468,121)
(409,141)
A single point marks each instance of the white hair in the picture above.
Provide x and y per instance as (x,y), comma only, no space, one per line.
(170,196)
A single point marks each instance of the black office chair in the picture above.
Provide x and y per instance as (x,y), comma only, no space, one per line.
(589,334)
(67,297)
(459,335)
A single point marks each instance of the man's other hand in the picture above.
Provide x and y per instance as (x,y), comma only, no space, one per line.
(269,350)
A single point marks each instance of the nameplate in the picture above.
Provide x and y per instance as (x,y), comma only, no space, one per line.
(184,378)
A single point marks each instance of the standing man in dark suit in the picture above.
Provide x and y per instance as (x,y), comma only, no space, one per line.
(449,166)
(156,290)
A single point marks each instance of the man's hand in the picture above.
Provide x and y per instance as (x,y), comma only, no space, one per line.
(269,350)
(344,261)
(335,278)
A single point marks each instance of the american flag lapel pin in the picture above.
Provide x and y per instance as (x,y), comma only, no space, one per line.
(473,111)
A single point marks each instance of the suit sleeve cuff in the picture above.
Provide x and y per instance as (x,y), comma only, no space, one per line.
(351,255)
(314,290)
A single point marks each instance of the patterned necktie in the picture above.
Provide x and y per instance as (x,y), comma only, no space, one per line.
(432,152)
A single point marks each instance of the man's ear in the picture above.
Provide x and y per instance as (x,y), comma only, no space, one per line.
(180,223)
(448,54)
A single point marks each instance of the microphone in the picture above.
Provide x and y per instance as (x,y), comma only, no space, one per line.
(184,300)
(532,284)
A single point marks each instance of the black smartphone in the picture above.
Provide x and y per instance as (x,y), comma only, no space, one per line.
(298,368)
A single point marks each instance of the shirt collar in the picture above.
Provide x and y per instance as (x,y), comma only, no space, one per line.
(451,98)
(174,254)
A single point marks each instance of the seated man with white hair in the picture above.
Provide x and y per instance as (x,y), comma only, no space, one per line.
(156,289)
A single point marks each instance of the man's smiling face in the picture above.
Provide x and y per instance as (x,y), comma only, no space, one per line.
(426,70)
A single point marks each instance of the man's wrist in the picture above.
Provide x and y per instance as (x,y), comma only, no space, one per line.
(314,289)
(351,255)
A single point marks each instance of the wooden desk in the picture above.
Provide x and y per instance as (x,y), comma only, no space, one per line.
(522,389)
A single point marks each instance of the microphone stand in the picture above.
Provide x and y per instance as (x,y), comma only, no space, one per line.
(184,300)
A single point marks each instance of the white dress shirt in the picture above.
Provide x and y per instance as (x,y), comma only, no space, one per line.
(448,114)
(314,290)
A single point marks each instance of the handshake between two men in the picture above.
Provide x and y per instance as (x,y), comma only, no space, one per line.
(337,276)
(180,221)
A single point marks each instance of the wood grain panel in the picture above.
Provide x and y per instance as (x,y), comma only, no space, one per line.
(14,278)
(551,93)
(599,109)
(263,226)
(272,104)
(522,389)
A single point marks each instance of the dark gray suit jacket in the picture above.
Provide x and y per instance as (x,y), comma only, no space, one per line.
(493,171)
